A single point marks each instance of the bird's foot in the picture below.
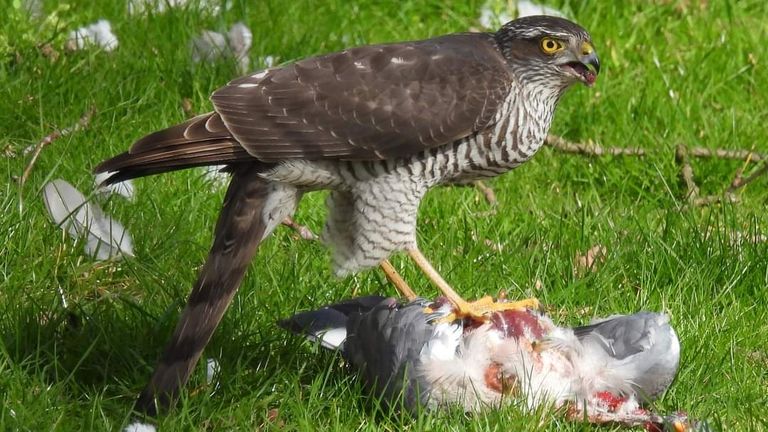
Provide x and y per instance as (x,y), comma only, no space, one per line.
(481,310)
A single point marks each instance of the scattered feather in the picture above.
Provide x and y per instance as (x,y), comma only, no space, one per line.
(143,7)
(105,237)
(97,34)
(34,8)
(124,188)
(528,8)
(495,13)
(240,40)
(140,427)
(493,16)
(146,7)
(211,46)
(212,369)
(214,175)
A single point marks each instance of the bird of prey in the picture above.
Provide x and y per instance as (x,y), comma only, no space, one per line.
(409,356)
(378,126)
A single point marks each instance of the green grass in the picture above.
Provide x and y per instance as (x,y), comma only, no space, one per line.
(672,74)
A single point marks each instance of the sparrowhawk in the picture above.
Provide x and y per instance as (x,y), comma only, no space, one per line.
(378,126)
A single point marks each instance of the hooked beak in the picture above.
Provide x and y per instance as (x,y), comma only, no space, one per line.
(585,64)
(592,63)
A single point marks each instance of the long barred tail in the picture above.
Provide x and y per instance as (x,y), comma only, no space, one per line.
(252,208)
(200,141)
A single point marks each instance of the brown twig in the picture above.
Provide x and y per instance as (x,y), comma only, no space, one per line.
(692,190)
(53,136)
(740,182)
(566,146)
(683,154)
(303,231)
(746,155)
(487,192)
(686,173)
(738,178)
(714,199)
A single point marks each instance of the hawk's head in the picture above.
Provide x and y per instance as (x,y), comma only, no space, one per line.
(549,51)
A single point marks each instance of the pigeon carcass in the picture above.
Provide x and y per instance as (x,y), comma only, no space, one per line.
(416,355)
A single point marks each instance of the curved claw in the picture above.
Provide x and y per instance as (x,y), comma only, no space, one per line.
(482,309)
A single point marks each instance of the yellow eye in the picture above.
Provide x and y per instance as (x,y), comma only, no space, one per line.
(551,46)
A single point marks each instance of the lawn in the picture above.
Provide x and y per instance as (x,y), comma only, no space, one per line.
(674,72)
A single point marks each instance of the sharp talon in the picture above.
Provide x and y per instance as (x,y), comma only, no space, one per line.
(451,317)
(481,309)
(478,310)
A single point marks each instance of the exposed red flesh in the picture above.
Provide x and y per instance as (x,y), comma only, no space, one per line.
(517,323)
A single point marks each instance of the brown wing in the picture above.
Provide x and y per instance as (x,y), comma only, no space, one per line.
(371,102)
(203,140)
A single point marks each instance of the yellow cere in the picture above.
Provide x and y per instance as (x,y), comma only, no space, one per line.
(586,48)
(551,46)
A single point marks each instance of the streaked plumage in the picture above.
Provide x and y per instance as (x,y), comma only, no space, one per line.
(378,126)
(404,353)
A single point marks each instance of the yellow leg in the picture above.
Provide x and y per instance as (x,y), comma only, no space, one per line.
(476,310)
(397,280)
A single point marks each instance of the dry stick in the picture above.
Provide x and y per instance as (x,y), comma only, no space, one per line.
(566,146)
(682,157)
(302,230)
(738,181)
(746,155)
(81,124)
(691,189)
(738,178)
(686,173)
(735,185)
(692,195)
(714,199)
(487,192)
